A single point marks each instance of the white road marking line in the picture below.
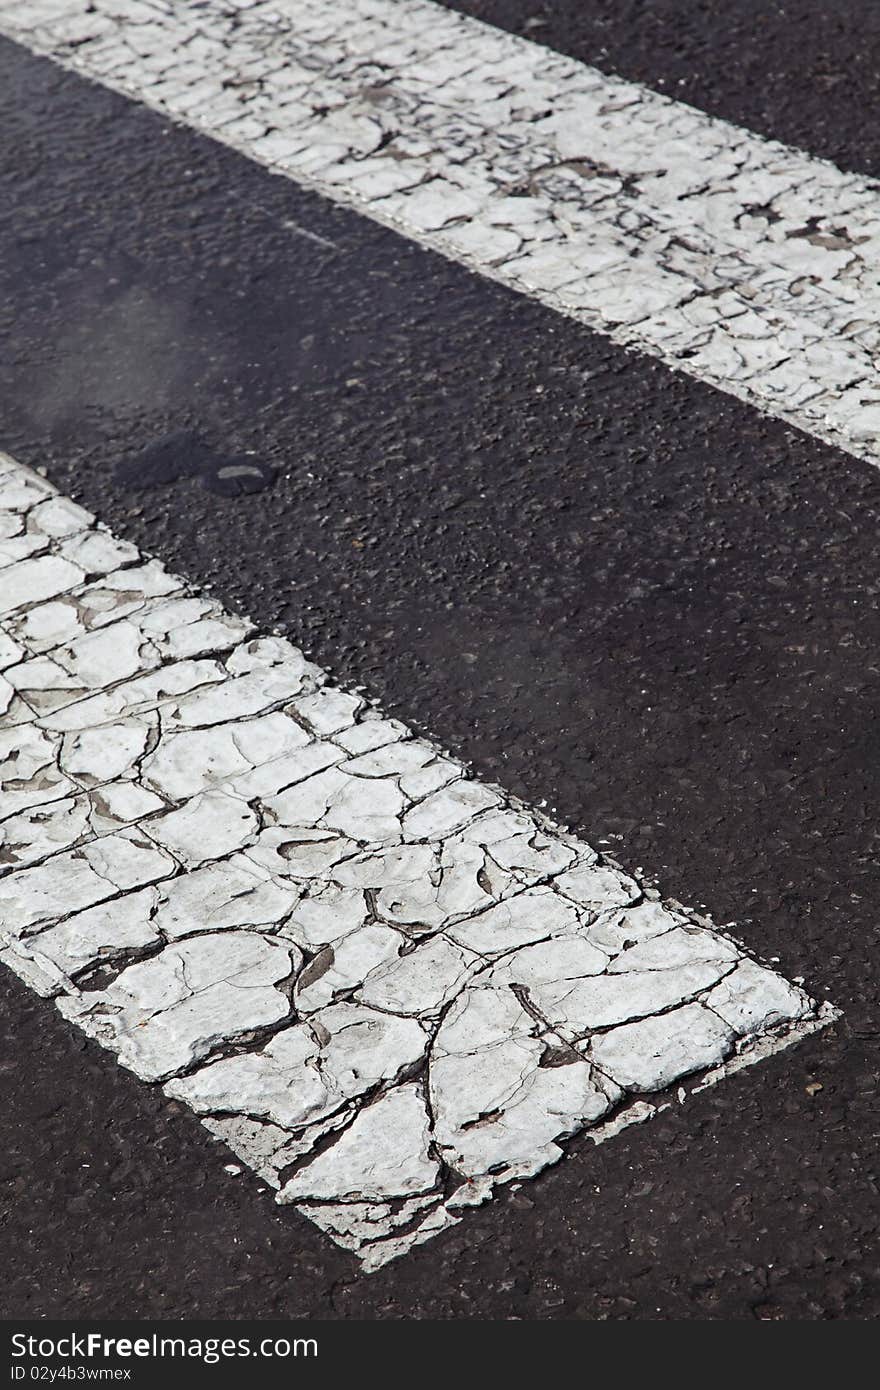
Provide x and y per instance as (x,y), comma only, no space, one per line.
(733,258)
(387,986)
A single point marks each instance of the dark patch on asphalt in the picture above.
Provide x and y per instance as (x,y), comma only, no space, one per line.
(806,72)
(184,454)
(605,584)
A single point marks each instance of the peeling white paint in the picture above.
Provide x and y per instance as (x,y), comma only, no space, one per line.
(386,986)
(733,258)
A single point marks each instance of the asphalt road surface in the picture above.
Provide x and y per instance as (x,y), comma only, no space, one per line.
(617,591)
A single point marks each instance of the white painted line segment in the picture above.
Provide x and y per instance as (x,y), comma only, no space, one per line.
(387,986)
(733,258)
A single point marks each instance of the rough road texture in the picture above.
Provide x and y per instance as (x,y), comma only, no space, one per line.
(384,985)
(740,261)
(550,553)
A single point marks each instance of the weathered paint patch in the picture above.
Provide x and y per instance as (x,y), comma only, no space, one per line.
(387,986)
(733,258)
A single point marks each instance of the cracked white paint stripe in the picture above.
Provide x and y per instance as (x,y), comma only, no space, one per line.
(387,986)
(733,258)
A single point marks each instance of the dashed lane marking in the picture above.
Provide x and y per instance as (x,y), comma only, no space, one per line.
(387,986)
(733,258)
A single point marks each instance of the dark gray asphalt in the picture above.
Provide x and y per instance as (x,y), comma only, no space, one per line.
(604,584)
